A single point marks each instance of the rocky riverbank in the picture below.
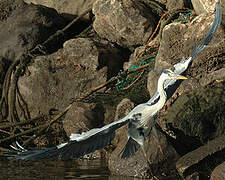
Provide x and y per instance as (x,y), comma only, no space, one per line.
(56,78)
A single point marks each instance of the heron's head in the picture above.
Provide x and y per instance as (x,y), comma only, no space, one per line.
(168,74)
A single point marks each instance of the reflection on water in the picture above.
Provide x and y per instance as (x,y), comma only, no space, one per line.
(57,170)
(49,170)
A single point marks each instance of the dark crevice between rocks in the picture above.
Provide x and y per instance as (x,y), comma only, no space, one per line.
(162,168)
(4,64)
(207,165)
(70,33)
(188,4)
(111,54)
(156,8)
(183,143)
(77,27)
(173,88)
(113,58)
(98,112)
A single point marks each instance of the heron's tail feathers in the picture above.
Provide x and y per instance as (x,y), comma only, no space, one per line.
(48,153)
(130,149)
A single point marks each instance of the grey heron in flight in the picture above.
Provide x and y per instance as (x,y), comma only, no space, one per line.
(141,119)
(140,122)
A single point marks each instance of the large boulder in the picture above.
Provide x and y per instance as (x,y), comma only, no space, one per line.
(25,27)
(53,80)
(203,6)
(208,6)
(128,23)
(219,172)
(82,117)
(178,39)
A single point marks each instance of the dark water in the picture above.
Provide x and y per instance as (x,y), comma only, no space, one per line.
(56,170)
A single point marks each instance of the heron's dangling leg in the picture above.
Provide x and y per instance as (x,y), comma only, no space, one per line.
(145,155)
(155,134)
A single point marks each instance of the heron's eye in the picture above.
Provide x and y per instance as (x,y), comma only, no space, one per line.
(169,74)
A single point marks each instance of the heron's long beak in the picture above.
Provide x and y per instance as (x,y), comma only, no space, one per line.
(180,77)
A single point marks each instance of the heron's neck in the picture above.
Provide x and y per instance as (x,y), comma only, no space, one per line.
(162,93)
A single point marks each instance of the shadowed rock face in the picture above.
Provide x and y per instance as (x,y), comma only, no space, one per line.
(203,160)
(66,7)
(200,113)
(26,26)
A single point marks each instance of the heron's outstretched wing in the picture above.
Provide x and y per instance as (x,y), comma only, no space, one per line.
(183,64)
(79,144)
(212,31)
(76,149)
(47,153)
(130,148)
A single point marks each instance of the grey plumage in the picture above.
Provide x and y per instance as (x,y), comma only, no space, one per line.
(143,117)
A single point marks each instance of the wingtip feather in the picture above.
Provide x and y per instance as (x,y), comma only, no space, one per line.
(130,149)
